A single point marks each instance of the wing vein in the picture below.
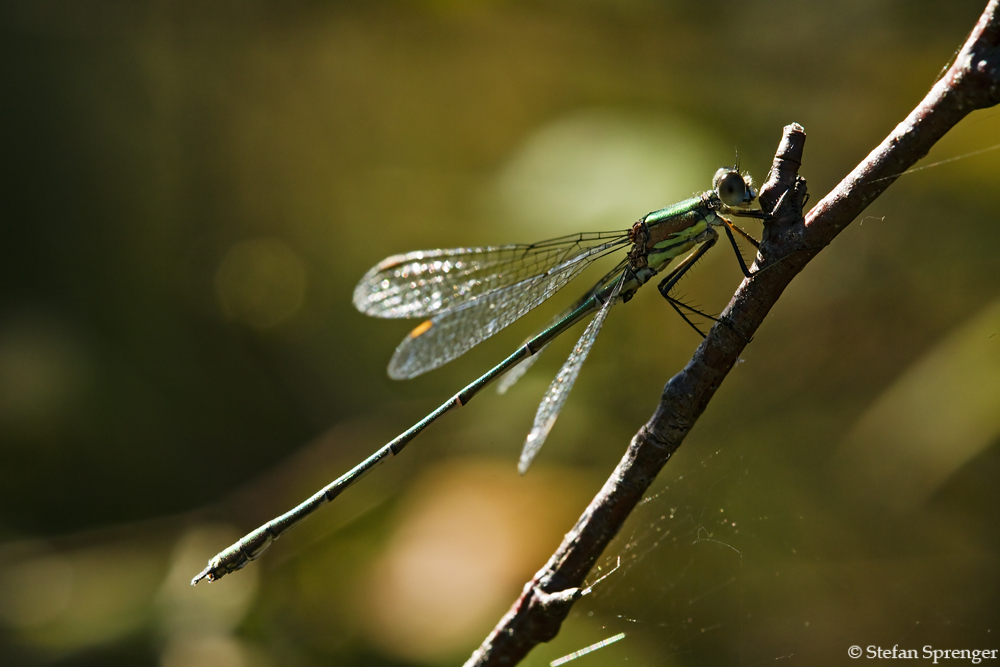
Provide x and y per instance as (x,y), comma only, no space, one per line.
(431,282)
(554,399)
(454,331)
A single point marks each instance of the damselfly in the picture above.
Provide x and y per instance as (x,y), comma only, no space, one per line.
(469,294)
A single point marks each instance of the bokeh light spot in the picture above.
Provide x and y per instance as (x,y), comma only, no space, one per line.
(603,169)
(471,533)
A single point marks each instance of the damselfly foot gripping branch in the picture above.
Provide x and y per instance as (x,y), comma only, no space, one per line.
(469,294)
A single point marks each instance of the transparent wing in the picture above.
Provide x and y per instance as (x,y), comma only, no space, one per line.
(431,282)
(455,331)
(555,397)
(511,377)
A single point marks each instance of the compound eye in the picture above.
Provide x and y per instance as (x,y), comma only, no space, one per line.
(731,187)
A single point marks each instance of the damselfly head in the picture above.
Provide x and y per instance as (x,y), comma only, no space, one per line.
(732,188)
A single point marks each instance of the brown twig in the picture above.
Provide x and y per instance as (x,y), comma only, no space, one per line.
(790,242)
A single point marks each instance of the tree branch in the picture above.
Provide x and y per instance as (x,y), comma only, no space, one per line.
(789,243)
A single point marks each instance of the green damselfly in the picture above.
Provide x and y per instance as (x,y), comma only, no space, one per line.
(469,294)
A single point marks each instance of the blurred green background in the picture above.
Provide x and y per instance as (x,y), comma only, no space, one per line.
(190,191)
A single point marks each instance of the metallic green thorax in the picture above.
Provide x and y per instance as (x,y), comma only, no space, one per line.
(671,232)
(676,229)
